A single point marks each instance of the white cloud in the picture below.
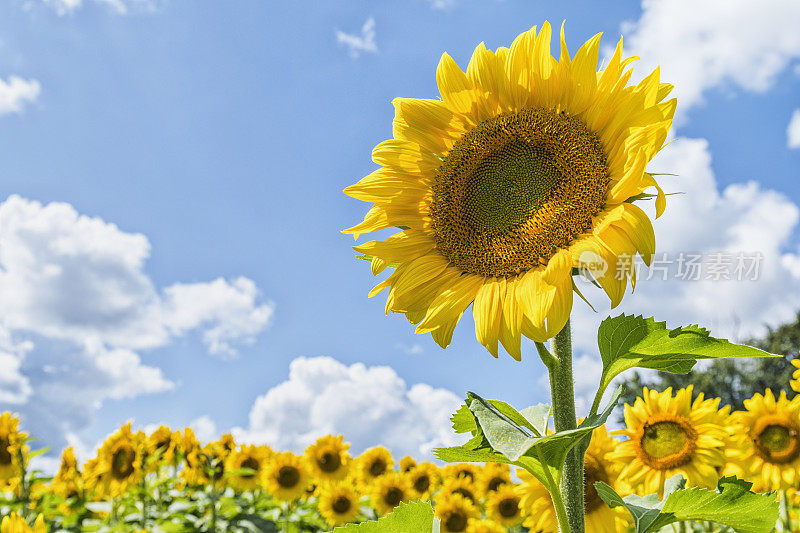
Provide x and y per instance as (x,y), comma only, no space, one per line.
(359,43)
(204,429)
(78,307)
(743,217)
(369,405)
(121,7)
(16,93)
(793,130)
(702,44)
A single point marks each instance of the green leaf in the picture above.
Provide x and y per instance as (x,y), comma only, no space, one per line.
(411,517)
(732,504)
(628,341)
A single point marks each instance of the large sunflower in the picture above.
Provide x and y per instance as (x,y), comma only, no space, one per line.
(338,503)
(328,458)
(162,447)
(767,441)
(525,169)
(670,435)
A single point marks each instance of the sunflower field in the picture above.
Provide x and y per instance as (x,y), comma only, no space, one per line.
(168,481)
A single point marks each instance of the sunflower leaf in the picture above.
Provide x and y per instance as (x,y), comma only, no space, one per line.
(411,517)
(628,341)
(732,504)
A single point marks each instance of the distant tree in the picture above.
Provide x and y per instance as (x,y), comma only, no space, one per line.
(732,380)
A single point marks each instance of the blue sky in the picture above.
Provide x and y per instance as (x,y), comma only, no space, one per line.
(225,134)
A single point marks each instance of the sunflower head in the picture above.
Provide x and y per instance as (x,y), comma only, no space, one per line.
(389,490)
(187,442)
(407,463)
(795,381)
(470,471)
(526,168)
(67,482)
(119,463)
(454,512)
(424,479)
(767,446)
(287,476)
(537,507)
(503,506)
(162,445)
(338,503)
(493,476)
(461,486)
(328,458)
(13,450)
(246,466)
(670,434)
(374,463)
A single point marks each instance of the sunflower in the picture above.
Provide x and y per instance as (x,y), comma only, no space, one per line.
(457,470)
(328,458)
(287,476)
(538,511)
(795,381)
(597,466)
(407,463)
(67,483)
(526,168)
(206,464)
(670,435)
(13,451)
(254,460)
(424,479)
(484,526)
(493,476)
(119,463)
(537,508)
(454,512)
(502,506)
(14,523)
(389,490)
(461,486)
(373,463)
(767,441)
(162,447)
(338,503)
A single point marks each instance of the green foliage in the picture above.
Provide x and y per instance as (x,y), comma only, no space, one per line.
(732,381)
(503,434)
(628,341)
(732,504)
(412,517)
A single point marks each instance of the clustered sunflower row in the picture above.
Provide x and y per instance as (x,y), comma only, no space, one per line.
(170,481)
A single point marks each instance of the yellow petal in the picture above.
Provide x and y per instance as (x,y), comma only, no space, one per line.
(455,88)
(446,309)
(487,311)
(406,156)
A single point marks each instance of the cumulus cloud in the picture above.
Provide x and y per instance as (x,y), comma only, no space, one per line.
(78,308)
(16,93)
(369,405)
(741,218)
(701,44)
(793,130)
(355,43)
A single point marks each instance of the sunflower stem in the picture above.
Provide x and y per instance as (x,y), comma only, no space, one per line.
(562,390)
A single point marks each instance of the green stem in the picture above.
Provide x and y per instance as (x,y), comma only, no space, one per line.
(555,493)
(562,389)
